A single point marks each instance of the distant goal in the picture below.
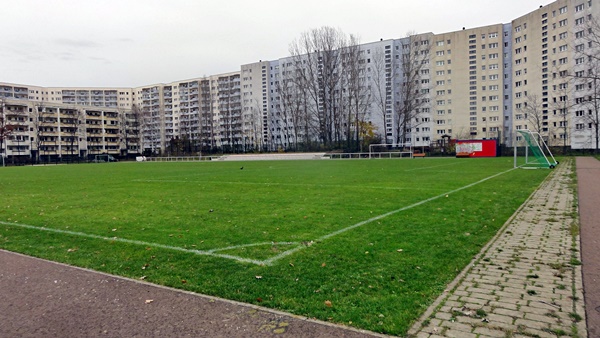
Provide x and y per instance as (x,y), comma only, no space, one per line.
(391,150)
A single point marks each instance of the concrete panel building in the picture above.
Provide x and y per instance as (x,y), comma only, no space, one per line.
(537,72)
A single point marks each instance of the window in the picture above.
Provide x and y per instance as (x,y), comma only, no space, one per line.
(493,45)
(562,61)
(579,34)
(579,8)
(562,10)
(439,63)
(494,56)
(562,35)
(562,48)
(440,72)
(493,35)
(579,60)
(439,53)
(440,83)
(493,77)
(439,43)
(579,21)
(562,23)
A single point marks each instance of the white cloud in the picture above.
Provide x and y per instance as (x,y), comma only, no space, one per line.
(137,42)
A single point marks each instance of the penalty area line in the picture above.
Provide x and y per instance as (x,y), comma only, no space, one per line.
(148,244)
(284,254)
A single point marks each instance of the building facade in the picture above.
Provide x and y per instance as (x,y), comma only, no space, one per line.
(538,72)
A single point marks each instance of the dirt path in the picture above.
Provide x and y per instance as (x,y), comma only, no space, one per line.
(588,178)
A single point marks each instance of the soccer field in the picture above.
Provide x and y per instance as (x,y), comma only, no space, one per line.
(366,243)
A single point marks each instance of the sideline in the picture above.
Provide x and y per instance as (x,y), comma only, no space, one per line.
(269,261)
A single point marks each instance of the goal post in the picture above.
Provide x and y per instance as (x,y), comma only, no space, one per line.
(536,152)
(401,149)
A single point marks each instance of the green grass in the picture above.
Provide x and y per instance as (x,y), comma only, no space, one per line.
(378,276)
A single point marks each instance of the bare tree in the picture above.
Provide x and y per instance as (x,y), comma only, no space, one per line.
(317,62)
(531,111)
(561,104)
(36,117)
(383,72)
(288,106)
(401,88)
(587,81)
(71,126)
(135,127)
(357,96)
(6,129)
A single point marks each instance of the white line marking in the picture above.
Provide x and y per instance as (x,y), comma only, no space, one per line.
(250,245)
(435,166)
(273,259)
(286,184)
(148,244)
(269,261)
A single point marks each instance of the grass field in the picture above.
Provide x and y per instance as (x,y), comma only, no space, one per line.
(365,243)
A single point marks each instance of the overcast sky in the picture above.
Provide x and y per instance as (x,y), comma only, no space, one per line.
(130,43)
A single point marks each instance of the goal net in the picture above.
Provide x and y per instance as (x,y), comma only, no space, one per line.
(390,150)
(536,152)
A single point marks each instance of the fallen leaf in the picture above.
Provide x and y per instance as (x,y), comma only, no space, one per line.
(259,299)
(399,250)
(258,277)
(143,277)
(292,264)
(71,250)
(183,281)
(328,303)
(148,301)
(323,265)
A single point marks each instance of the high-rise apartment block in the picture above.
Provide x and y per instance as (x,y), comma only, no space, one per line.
(537,72)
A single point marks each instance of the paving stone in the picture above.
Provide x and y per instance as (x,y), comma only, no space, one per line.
(496,318)
(502,303)
(485,332)
(528,247)
(541,318)
(509,313)
(460,334)
(534,324)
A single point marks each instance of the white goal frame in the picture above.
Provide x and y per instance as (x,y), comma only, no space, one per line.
(397,145)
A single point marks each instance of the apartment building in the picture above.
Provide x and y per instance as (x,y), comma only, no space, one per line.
(484,82)
(469,83)
(550,53)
